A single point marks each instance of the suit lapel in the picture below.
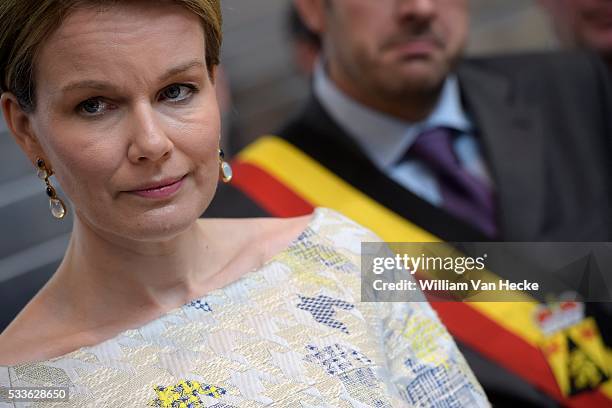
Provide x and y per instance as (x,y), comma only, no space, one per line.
(513,148)
(317,135)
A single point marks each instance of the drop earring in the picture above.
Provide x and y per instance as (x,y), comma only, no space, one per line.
(56,205)
(225,168)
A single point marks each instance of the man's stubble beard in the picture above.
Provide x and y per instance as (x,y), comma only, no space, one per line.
(409,98)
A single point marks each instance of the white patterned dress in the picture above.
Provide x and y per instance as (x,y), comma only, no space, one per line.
(290,334)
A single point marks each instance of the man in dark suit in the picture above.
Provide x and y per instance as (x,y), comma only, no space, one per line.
(401,130)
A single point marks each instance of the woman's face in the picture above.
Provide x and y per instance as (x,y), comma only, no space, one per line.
(125,104)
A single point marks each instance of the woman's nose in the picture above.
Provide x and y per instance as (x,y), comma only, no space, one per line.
(148,140)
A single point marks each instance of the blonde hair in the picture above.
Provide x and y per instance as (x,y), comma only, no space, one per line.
(27,23)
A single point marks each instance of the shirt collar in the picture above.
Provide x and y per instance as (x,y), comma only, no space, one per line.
(385,138)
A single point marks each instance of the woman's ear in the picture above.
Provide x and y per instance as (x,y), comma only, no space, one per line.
(20,126)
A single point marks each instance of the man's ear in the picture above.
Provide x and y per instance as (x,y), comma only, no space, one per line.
(20,126)
(312,13)
(560,15)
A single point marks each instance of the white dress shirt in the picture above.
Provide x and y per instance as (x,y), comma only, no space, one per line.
(386,139)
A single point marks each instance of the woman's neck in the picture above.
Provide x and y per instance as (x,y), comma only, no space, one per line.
(138,280)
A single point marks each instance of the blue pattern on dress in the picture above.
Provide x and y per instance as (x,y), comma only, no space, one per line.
(321,309)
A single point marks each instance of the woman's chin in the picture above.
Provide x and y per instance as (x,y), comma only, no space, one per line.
(155,225)
(155,220)
(162,224)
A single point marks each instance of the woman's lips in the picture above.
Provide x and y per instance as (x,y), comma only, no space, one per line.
(161,191)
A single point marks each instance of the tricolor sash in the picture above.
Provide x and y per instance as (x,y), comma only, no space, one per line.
(286,182)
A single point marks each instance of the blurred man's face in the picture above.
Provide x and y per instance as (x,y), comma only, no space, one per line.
(391,47)
(584,23)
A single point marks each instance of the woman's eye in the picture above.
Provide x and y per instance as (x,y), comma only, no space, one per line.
(176,92)
(92,107)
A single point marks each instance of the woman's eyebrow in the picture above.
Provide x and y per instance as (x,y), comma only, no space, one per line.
(103,85)
(181,68)
(88,84)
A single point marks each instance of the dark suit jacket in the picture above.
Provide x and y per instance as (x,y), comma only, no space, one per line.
(544,122)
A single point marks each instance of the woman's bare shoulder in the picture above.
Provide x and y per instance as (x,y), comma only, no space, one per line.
(36,333)
(35,338)
(17,348)
(22,341)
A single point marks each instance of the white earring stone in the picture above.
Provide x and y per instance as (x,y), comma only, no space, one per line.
(226,172)
(58,209)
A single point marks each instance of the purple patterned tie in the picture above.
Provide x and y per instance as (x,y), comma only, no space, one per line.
(463,194)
